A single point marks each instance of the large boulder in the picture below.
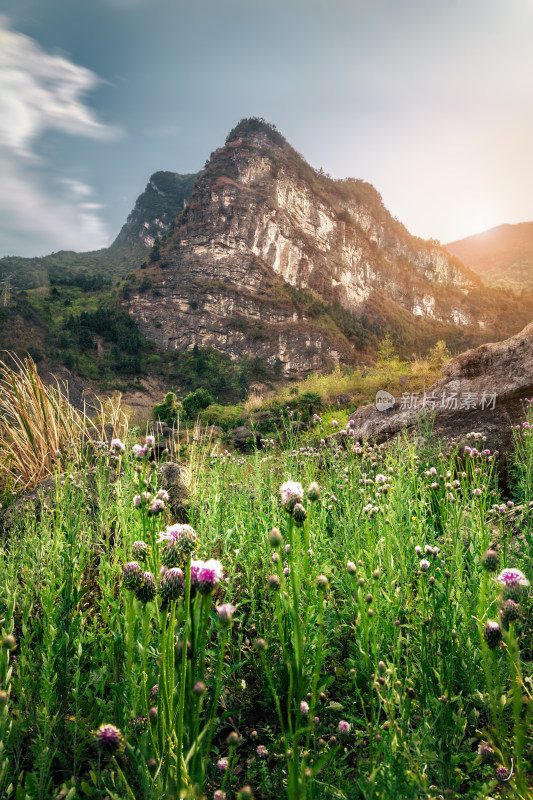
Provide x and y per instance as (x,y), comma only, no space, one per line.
(176,480)
(244,439)
(483,390)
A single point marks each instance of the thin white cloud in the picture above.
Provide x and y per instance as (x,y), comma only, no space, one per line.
(40,91)
(34,222)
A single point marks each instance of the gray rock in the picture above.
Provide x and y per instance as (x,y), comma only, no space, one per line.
(488,384)
(176,480)
(243,438)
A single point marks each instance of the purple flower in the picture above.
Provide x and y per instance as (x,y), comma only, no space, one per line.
(206,575)
(185,535)
(109,739)
(304,707)
(222,764)
(261,751)
(116,444)
(291,493)
(139,451)
(502,774)
(225,614)
(512,577)
(424,565)
(344,727)
(155,507)
(140,550)
(150,441)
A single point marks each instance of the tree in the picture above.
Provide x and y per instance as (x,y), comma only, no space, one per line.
(387,363)
(439,355)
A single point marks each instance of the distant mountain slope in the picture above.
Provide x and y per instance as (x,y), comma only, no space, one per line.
(163,199)
(502,256)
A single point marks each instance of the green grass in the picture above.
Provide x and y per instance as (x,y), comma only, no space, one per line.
(394,651)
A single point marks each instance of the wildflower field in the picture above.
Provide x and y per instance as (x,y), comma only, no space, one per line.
(335,620)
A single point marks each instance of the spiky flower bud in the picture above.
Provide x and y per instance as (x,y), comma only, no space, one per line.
(148,590)
(132,575)
(172,584)
(152,715)
(233,739)
(490,560)
(510,612)
(109,739)
(313,493)
(486,753)
(140,551)
(153,693)
(274,583)
(492,634)
(351,568)
(245,793)
(171,554)
(138,724)
(322,583)
(275,539)
(260,644)
(199,689)
(299,514)
(502,774)
(9,642)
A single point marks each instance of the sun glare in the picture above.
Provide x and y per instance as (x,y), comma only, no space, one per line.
(476,218)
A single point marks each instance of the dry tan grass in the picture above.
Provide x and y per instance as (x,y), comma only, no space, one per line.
(37,421)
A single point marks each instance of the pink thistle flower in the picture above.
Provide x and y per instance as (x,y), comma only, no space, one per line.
(424,565)
(304,707)
(344,727)
(225,614)
(291,493)
(512,577)
(206,575)
(261,751)
(222,764)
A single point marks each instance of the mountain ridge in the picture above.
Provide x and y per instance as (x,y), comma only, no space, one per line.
(502,256)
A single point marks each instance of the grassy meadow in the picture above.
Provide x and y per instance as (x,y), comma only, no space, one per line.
(347,633)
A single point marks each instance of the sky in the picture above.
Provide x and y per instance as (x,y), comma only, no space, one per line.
(431,101)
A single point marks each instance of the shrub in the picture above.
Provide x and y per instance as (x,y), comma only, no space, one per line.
(309,403)
(226,417)
(167,411)
(196,402)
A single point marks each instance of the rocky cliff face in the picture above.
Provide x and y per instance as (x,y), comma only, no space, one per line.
(261,225)
(165,196)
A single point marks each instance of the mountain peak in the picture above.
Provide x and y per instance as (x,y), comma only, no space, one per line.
(255,128)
